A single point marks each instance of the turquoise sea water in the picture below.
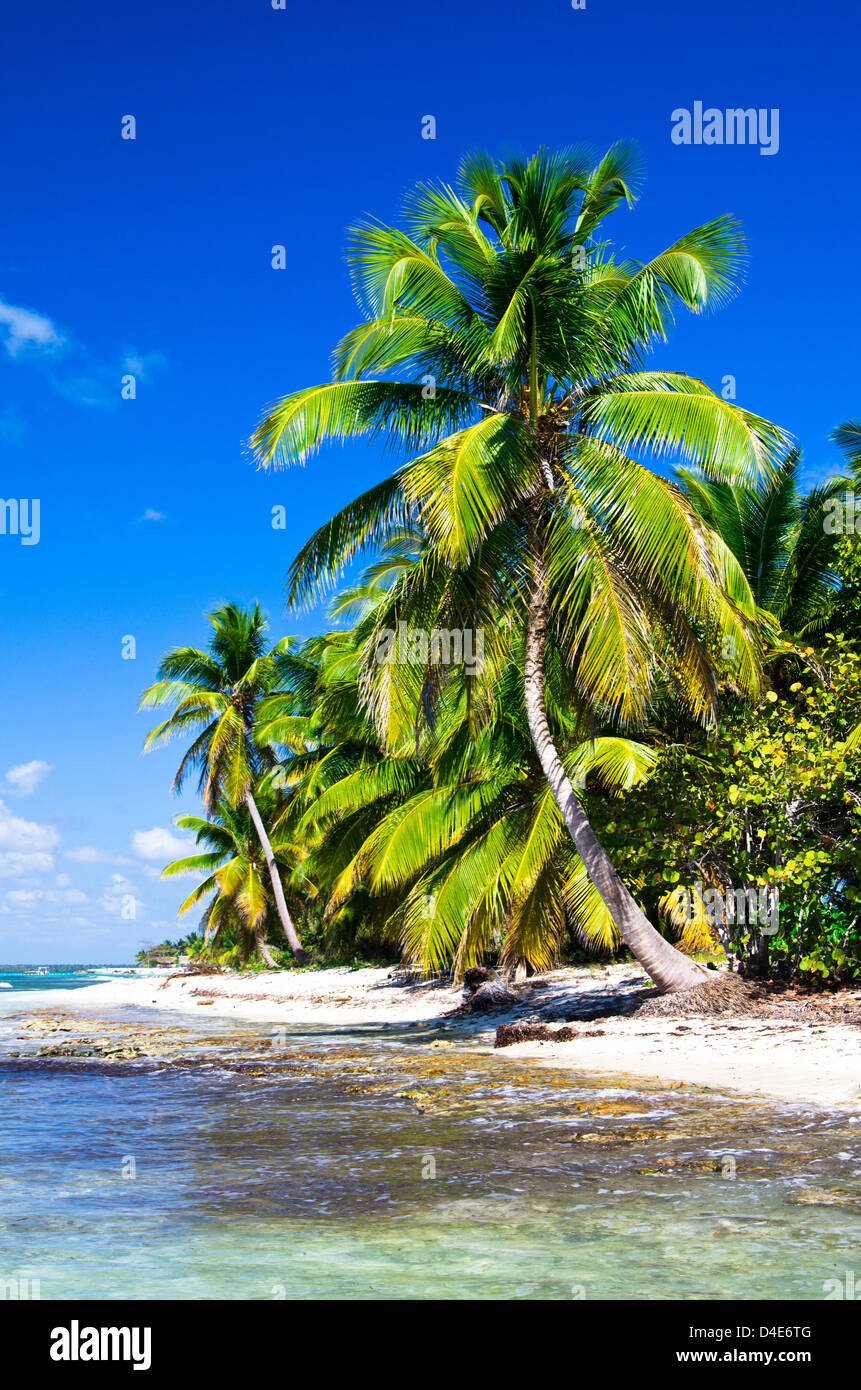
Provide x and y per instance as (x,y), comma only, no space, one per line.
(366,1164)
(18,978)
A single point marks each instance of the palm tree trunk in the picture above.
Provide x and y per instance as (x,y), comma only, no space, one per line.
(293,941)
(262,949)
(670,970)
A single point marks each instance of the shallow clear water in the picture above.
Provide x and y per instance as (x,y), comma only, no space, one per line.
(312,1172)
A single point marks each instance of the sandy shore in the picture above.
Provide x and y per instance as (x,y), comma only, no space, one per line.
(811,1061)
(338,995)
(767,1058)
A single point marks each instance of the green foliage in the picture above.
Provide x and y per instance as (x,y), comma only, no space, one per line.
(846,614)
(779,538)
(239,916)
(170,951)
(772,802)
(501,352)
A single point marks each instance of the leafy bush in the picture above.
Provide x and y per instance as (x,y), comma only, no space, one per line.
(771,804)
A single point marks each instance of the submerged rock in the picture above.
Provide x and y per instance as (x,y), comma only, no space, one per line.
(823,1197)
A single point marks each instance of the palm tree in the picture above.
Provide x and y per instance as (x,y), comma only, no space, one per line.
(847,437)
(519,341)
(215,694)
(779,538)
(233,875)
(465,820)
(325,739)
(473,854)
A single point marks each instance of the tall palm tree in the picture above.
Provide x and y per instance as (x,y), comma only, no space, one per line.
(518,339)
(234,878)
(779,538)
(215,694)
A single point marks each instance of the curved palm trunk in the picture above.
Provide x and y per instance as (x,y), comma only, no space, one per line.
(293,941)
(670,970)
(262,948)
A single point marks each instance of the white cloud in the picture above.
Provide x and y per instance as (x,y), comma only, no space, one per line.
(89,854)
(24,898)
(119,881)
(119,899)
(24,328)
(140,364)
(73,372)
(151,515)
(24,778)
(14,864)
(67,896)
(25,835)
(27,898)
(158,844)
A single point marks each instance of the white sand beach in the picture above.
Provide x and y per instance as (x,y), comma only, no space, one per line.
(816,1062)
(821,1066)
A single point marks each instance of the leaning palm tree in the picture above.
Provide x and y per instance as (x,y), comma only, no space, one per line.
(779,538)
(215,694)
(464,819)
(233,878)
(520,398)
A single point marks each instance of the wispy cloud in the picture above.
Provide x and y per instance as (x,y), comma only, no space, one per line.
(31,337)
(18,864)
(24,330)
(142,364)
(90,854)
(151,515)
(26,899)
(118,898)
(23,779)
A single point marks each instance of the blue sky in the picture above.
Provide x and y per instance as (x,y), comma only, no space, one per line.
(258,127)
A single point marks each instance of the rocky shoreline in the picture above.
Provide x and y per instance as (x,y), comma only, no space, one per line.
(607,1021)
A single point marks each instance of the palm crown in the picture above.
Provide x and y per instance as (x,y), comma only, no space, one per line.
(779,537)
(215,694)
(234,879)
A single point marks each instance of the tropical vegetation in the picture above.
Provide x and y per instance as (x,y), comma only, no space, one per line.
(647,655)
